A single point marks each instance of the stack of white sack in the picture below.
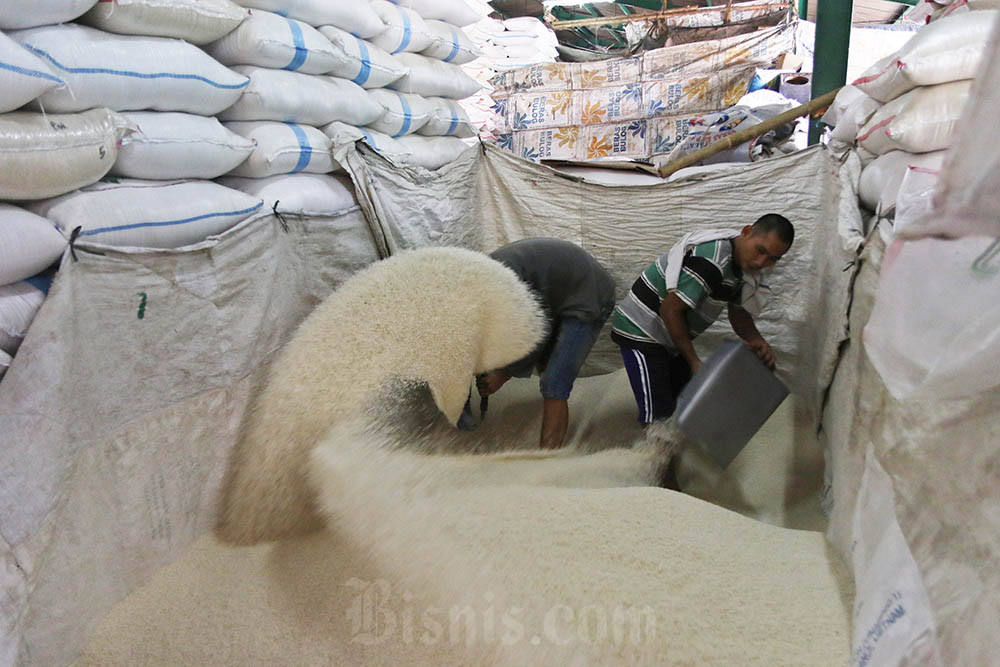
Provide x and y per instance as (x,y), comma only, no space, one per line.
(29,244)
(904,111)
(135,97)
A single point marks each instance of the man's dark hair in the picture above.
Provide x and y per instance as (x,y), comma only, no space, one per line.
(779,224)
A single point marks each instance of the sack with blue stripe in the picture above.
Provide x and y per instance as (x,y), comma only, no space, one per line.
(269,40)
(432,153)
(405,31)
(448,119)
(432,78)
(178,145)
(194,21)
(456,12)
(23,76)
(309,195)
(128,73)
(363,63)
(342,134)
(29,244)
(48,155)
(354,16)
(148,214)
(450,44)
(16,14)
(275,94)
(403,113)
(283,148)
(19,302)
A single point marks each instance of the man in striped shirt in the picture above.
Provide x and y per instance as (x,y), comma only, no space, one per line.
(668,306)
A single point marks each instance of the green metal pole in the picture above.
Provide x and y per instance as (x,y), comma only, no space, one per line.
(833,39)
(803,9)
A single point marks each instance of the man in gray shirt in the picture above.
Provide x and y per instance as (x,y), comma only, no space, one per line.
(578,295)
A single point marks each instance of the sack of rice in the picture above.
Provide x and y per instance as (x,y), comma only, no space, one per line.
(450,44)
(341,133)
(456,12)
(129,73)
(405,30)
(178,145)
(362,62)
(275,94)
(943,51)
(19,302)
(403,113)
(48,155)
(148,214)
(283,148)
(270,40)
(448,119)
(194,21)
(432,153)
(23,77)
(356,18)
(881,179)
(28,244)
(16,14)
(299,194)
(433,78)
(922,120)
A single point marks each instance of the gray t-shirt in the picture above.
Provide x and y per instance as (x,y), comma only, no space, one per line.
(569,282)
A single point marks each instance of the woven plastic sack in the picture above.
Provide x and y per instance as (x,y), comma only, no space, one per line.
(450,44)
(405,30)
(177,145)
(922,120)
(881,179)
(269,40)
(301,98)
(30,13)
(28,244)
(129,73)
(432,78)
(299,194)
(18,304)
(432,153)
(456,12)
(284,148)
(148,214)
(49,155)
(402,113)
(341,133)
(362,62)
(355,17)
(936,322)
(448,119)
(194,21)
(946,50)
(23,76)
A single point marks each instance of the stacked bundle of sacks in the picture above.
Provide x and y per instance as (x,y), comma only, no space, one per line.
(903,112)
(161,123)
(510,44)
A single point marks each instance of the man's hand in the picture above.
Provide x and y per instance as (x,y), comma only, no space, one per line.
(490,383)
(695,365)
(762,350)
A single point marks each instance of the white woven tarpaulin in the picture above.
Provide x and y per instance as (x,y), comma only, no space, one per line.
(124,402)
(489,198)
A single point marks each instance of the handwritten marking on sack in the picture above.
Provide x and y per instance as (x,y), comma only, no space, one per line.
(891,612)
(142,305)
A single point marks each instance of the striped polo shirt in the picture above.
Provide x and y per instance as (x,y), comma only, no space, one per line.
(708,282)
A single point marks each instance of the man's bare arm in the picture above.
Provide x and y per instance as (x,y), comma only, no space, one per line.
(672,311)
(746,329)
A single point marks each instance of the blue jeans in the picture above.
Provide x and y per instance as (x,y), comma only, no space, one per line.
(573,340)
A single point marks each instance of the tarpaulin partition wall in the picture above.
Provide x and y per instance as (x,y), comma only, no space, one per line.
(119,413)
(488,198)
